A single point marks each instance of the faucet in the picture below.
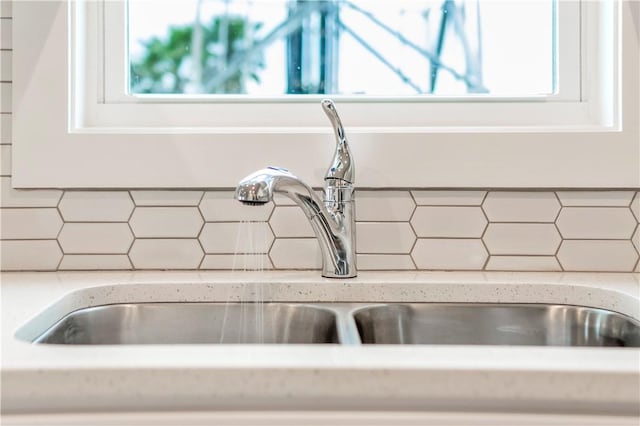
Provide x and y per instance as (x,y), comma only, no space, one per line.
(332,219)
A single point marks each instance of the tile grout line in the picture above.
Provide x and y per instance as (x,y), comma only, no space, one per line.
(415,234)
(60,230)
(133,234)
(637,247)
(485,230)
(204,223)
(484,233)
(275,236)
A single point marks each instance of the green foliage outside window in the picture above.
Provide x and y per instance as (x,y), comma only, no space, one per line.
(189,57)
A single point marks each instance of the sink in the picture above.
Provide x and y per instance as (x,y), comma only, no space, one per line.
(344,323)
(184,323)
(495,324)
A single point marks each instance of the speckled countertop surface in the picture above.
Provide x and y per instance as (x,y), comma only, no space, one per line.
(55,378)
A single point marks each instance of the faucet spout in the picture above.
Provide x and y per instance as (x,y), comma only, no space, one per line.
(258,188)
(332,219)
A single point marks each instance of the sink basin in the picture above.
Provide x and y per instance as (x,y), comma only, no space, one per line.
(344,323)
(175,323)
(495,324)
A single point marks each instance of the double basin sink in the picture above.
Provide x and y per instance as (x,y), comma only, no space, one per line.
(344,323)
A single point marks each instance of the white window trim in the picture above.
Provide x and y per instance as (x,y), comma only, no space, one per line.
(591,142)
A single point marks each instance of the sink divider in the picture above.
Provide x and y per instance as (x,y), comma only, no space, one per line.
(346,326)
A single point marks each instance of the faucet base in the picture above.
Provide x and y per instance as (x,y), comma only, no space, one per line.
(334,275)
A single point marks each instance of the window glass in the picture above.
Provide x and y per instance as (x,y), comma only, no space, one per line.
(345,47)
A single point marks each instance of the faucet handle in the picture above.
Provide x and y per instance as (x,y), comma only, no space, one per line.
(342,167)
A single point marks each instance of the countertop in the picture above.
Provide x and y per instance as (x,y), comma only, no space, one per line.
(59,378)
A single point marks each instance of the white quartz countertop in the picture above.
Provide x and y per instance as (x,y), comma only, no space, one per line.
(39,378)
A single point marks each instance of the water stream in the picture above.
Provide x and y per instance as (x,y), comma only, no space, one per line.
(244,315)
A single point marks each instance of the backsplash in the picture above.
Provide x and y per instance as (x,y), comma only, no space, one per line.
(408,229)
(396,230)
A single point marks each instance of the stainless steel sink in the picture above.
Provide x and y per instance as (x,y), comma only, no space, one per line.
(495,324)
(175,323)
(344,323)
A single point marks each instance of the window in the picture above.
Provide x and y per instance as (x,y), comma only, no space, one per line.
(583,133)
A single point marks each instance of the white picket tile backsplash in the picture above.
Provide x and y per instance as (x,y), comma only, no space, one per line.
(10,197)
(166,222)
(384,237)
(30,255)
(522,238)
(95,238)
(635,206)
(6,63)
(384,206)
(523,263)
(167,198)
(598,255)
(95,262)
(96,206)
(174,253)
(6,36)
(448,237)
(5,128)
(290,221)
(595,198)
(6,33)
(449,222)
(296,253)
(522,206)
(5,160)
(6,90)
(449,254)
(237,262)
(596,223)
(30,224)
(384,262)
(236,237)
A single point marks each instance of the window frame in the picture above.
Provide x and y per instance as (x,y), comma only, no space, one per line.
(95,142)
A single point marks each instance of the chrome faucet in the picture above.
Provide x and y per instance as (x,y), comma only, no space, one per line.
(332,219)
